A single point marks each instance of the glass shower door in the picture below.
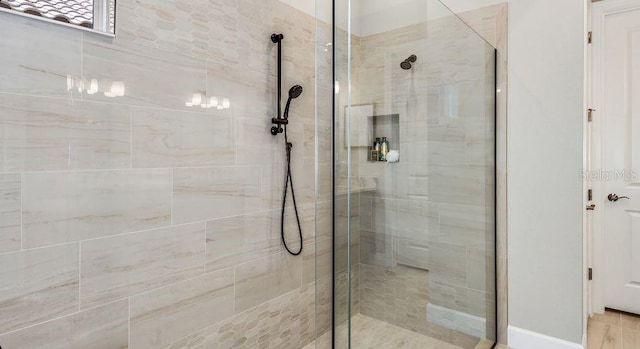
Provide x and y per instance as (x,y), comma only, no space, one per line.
(414,178)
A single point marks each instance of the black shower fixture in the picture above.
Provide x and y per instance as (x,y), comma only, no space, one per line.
(408,63)
(280,126)
(294,93)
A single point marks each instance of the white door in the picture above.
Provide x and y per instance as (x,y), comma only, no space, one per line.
(618,63)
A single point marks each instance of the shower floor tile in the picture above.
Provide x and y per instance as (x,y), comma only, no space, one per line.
(369,333)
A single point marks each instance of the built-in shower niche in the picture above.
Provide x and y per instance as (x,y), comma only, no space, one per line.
(386,126)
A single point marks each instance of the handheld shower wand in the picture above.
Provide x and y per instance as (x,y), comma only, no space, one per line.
(294,93)
(281,122)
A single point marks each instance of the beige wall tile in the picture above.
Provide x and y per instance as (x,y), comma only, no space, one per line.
(411,252)
(285,322)
(256,145)
(303,174)
(463,225)
(167,314)
(168,138)
(150,79)
(125,265)
(235,240)
(458,185)
(460,298)
(448,264)
(416,219)
(480,269)
(210,193)
(376,249)
(45,134)
(316,260)
(245,85)
(70,206)
(27,70)
(38,285)
(104,327)
(10,212)
(263,279)
(484,22)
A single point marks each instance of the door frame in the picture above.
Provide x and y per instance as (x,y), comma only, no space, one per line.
(594,141)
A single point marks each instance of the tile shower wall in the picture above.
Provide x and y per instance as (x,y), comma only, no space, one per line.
(140,219)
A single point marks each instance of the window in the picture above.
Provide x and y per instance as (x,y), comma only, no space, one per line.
(97,15)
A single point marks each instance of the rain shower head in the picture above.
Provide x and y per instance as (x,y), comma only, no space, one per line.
(408,63)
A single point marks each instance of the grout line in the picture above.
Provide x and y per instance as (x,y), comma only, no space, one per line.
(101,237)
(173,190)
(206,224)
(21,211)
(126,169)
(235,269)
(144,292)
(128,105)
(129,323)
(82,39)
(130,137)
(79,276)
(262,193)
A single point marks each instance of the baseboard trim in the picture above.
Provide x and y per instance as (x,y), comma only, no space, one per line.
(523,339)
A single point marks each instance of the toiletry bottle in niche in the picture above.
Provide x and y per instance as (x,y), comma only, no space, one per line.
(384,149)
(375,153)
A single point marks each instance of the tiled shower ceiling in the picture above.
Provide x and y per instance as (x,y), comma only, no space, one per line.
(78,12)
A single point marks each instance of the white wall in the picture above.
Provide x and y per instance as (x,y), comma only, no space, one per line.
(546,79)
(323,9)
(458,6)
(377,16)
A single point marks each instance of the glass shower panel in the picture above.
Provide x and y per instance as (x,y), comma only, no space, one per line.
(345,246)
(414,179)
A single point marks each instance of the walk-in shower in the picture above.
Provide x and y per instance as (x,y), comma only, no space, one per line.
(191,180)
(414,240)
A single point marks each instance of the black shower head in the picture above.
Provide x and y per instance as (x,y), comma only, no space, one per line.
(295,91)
(407,64)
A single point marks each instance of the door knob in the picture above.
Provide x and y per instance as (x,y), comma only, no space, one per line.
(614,197)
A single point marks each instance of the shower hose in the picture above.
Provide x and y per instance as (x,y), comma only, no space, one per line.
(289,180)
